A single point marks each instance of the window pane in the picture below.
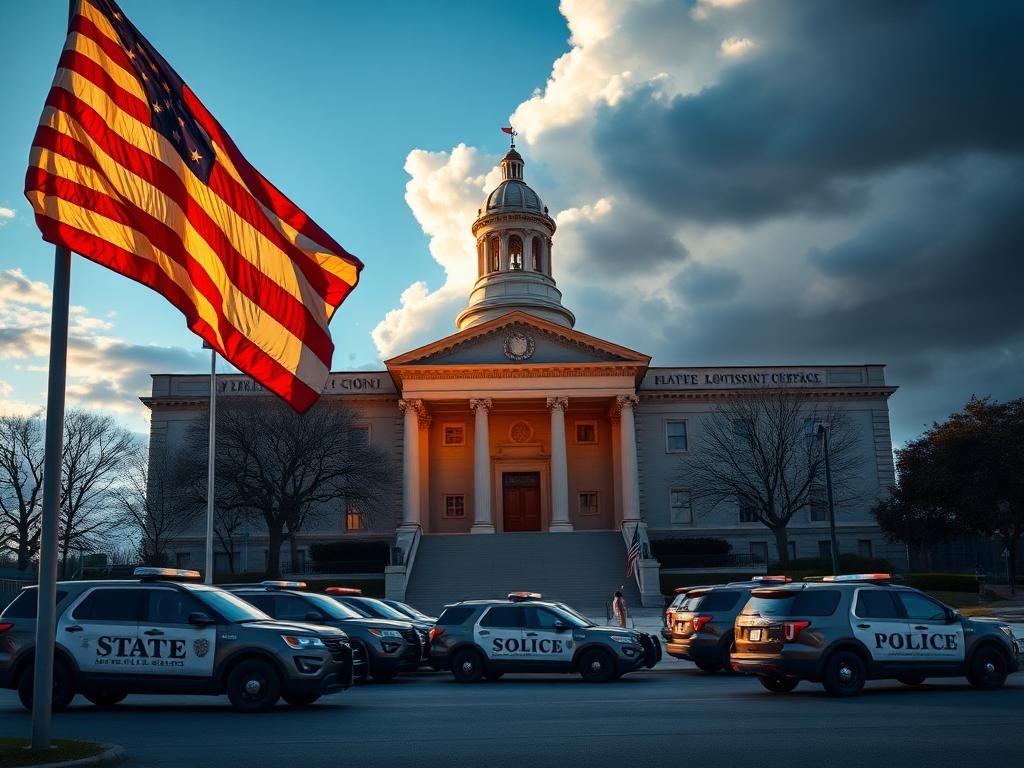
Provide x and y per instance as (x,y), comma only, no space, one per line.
(292,608)
(680,510)
(455,615)
(541,618)
(168,606)
(586,432)
(876,604)
(455,506)
(816,602)
(503,617)
(112,605)
(675,435)
(26,604)
(747,514)
(920,608)
(719,601)
(454,434)
(359,437)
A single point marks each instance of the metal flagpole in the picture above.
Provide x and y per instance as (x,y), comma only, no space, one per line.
(42,683)
(210,465)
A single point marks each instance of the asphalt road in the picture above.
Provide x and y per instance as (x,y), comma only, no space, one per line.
(672,715)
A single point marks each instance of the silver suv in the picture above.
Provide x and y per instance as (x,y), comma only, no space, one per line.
(846,630)
(161,635)
(486,638)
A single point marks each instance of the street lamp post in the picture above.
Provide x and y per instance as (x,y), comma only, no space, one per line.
(823,434)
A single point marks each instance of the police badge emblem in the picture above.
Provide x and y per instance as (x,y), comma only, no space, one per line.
(201,647)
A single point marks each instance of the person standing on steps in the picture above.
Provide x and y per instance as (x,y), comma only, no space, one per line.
(619,611)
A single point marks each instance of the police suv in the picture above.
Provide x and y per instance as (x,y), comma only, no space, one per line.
(486,638)
(845,630)
(165,634)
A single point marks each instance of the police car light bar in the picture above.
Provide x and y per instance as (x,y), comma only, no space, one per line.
(772,579)
(517,597)
(860,577)
(149,572)
(284,584)
(343,591)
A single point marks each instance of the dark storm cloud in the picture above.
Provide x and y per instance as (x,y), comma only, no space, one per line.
(699,283)
(627,242)
(835,93)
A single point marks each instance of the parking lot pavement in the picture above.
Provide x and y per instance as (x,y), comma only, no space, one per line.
(670,712)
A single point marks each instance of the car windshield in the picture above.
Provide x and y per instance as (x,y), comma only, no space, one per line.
(233,608)
(359,611)
(572,617)
(381,610)
(409,611)
(333,608)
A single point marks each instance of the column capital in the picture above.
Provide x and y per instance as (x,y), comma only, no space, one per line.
(482,403)
(625,401)
(557,403)
(417,407)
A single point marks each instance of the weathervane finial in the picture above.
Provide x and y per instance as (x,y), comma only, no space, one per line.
(512,136)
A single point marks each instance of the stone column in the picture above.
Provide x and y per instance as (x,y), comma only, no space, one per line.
(483,522)
(412,409)
(627,450)
(559,466)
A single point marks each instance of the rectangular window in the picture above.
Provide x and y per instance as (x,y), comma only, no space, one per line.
(359,437)
(680,508)
(454,505)
(454,434)
(864,548)
(675,436)
(759,551)
(811,435)
(747,513)
(742,433)
(825,549)
(355,518)
(181,559)
(588,503)
(818,504)
(586,432)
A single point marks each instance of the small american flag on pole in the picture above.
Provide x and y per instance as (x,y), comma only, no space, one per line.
(633,553)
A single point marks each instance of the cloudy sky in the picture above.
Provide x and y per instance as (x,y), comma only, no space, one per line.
(734,182)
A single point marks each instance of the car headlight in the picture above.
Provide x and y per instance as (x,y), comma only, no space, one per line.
(625,639)
(302,642)
(385,632)
(1008,631)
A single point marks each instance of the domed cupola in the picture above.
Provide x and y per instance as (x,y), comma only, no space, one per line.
(513,234)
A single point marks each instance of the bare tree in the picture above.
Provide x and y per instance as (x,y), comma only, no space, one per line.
(21,485)
(96,450)
(288,469)
(147,502)
(760,451)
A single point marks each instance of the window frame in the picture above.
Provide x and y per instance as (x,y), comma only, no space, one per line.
(361,428)
(584,423)
(446,497)
(689,495)
(350,511)
(596,506)
(686,434)
(739,515)
(461,426)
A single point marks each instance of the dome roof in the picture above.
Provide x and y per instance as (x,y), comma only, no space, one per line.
(513,195)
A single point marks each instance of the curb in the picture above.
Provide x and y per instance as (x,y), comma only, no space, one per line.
(113,754)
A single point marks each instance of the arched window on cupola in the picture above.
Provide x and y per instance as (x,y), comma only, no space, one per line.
(493,253)
(547,265)
(538,262)
(480,254)
(515,252)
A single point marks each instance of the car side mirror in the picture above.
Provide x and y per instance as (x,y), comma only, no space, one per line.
(953,616)
(200,619)
(560,626)
(314,616)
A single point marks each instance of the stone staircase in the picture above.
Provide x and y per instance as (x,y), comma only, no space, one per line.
(582,569)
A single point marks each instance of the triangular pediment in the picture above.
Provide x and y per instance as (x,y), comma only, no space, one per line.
(518,339)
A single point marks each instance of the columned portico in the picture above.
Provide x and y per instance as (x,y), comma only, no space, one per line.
(559,466)
(483,519)
(627,448)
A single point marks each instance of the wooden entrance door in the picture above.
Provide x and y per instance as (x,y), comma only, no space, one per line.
(520,495)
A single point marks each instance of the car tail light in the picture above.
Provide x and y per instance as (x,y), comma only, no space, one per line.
(791,629)
(5,626)
(435,633)
(700,621)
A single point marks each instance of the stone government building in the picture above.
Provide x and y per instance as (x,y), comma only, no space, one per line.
(552,444)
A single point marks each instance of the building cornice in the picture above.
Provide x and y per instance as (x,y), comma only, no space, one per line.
(649,395)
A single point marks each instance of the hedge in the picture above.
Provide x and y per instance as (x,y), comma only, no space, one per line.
(690,546)
(943,582)
(822,566)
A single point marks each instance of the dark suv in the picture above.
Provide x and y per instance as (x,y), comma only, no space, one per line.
(160,635)
(849,629)
(701,628)
(388,647)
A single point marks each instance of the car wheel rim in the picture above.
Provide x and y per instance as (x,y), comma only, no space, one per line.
(845,674)
(596,666)
(989,667)
(467,667)
(253,688)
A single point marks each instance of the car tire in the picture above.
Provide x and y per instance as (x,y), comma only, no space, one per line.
(912,679)
(778,684)
(106,698)
(467,666)
(710,666)
(254,686)
(63,687)
(300,699)
(844,674)
(597,666)
(988,668)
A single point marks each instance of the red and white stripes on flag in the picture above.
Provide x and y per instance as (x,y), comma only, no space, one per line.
(633,553)
(130,170)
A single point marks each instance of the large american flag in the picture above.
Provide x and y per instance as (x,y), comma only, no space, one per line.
(633,553)
(130,170)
